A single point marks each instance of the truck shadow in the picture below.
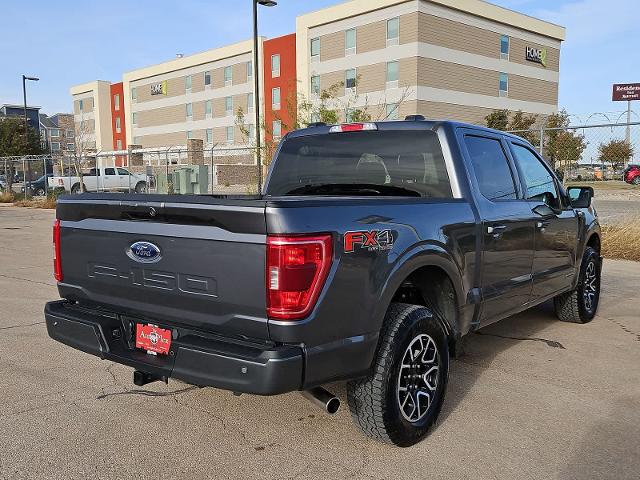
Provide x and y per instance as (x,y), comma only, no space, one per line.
(480,348)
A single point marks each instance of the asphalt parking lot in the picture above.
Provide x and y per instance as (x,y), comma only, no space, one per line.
(531,398)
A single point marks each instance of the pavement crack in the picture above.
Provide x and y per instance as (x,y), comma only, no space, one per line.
(625,329)
(20,326)
(549,343)
(146,393)
(11,277)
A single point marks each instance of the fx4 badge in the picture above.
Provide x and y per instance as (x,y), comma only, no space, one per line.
(371,240)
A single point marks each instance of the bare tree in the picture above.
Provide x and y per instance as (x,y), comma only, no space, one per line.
(83,145)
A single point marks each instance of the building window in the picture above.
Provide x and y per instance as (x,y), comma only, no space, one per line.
(55,132)
(252,132)
(504,84)
(315,85)
(187,84)
(209,135)
(315,49)
(229,135)
(350,80)
(393,31)
(228,76)
(249,69)
(189,111)
(118,130)
(134,93)
(392,74)
(276,128)
(207,79)
(315,117)
(71,147)
(393,111)
(55,146)
(275,65)
(116,102)
(70,133)
(228,106)
(275,98)
(136,141)
(134,120)
(80,105)
(118,144)
(249,102)
(189,134)
(208,112)
(504,47)
(350,41)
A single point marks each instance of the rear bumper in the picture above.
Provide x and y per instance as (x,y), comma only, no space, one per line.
(194,357)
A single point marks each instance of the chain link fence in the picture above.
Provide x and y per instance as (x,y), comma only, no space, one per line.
(588,152)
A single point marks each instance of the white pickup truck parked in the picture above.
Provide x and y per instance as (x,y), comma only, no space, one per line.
(100,180)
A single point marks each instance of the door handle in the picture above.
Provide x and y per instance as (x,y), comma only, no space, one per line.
(496,229)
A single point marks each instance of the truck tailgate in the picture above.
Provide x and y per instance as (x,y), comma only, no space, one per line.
(209,269)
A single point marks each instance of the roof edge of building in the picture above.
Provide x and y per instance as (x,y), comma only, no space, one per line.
(479,8)
(87,86)
(192,60)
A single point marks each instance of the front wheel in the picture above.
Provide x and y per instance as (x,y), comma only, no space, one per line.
(141,187)
(636,181)
(580,305)
(39,192)
(401,398)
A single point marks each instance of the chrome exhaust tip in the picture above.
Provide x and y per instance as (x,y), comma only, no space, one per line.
(323,399)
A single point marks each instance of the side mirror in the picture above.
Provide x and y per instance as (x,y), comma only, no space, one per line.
(543,210)
(580,197)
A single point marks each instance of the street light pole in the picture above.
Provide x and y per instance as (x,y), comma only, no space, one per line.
(256,84)
(26,128)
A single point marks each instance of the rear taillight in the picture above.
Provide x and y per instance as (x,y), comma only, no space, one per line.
(296,270)
(57,260)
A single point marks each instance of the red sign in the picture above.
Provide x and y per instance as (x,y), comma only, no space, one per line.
(153,339)
(625,92)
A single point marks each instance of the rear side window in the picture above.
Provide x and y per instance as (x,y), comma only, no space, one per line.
(391,162)
(109,171)
(491,167)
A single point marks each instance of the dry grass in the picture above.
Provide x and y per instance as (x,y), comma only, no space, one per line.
(622,240)
(7,197)
(47,202)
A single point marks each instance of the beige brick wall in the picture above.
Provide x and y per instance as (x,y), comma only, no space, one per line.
(240,73)
(461,78)
(372,36)
(373,78)
(163,139)
(332,46)
(449,111)
(197,82)
(161,116)
(329,79)
(87,105)
(533,90)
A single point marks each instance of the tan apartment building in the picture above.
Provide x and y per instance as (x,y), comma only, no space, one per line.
(92,116)
(449,59)
(195,96)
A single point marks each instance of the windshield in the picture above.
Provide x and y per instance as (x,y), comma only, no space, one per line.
(392,163)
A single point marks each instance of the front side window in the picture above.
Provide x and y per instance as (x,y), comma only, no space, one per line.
(350,78)
(315,84)
(406,163)
(275,98)
(491,168)
(539,183)
(110,171)
(504,47)
(350,41)
(275,65)
(315,49)
(504,84)
(123,171)
(393,31)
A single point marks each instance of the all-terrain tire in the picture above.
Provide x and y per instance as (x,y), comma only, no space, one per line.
(576,306)
(636,181)
(141,187)
(375,401)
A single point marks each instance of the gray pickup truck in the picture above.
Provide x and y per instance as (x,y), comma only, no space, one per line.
(375,248)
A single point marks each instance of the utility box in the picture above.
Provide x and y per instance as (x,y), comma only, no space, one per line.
(190,180)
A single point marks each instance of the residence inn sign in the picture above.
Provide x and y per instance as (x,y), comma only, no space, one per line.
(625,92)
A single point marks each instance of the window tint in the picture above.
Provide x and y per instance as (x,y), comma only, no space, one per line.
(109,171)
(207,78)
(403,163)
(504,84)
(491,168)
(539,182)
(122,171)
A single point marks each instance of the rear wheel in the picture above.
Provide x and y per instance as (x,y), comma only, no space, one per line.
(76,189)
(580,305)
(401,398)
(39,192)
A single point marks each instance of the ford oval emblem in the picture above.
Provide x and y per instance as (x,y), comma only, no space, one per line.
(144,252)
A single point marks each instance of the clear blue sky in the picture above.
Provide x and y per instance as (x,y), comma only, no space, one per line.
(70,42)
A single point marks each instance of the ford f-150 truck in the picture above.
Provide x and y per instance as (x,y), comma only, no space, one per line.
(374,249)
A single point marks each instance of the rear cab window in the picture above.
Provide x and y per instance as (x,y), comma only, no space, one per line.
(382,162)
